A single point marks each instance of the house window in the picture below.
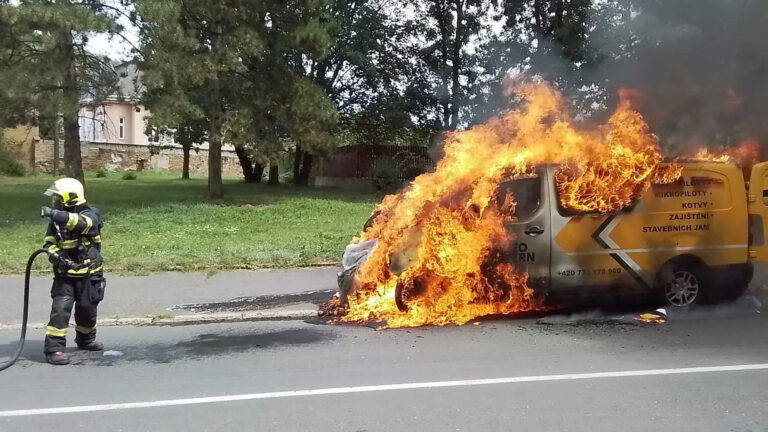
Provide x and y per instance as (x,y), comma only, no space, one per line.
(121,130)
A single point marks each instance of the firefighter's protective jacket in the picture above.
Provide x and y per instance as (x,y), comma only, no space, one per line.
(79,241)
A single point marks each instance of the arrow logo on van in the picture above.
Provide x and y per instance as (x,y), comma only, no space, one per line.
(602,237)
(602,233)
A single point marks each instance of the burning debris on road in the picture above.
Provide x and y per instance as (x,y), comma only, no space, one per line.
(439,252)
(659,316)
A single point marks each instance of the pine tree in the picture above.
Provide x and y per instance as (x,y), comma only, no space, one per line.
(280,107)
(48,69)
(191,57)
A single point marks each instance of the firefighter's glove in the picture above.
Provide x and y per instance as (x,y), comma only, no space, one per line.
(46,212)
(54,256)
(63,265)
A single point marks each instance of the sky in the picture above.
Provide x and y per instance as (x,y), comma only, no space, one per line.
(117,48)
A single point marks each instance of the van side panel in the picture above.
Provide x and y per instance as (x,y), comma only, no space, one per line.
(703,215)
(758,213)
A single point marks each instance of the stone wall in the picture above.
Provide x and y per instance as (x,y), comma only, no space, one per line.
(21,140)
(126,157)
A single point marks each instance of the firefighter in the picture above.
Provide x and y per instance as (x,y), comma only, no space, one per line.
(73,241)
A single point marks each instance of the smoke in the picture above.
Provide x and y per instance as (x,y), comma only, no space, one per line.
(700,65)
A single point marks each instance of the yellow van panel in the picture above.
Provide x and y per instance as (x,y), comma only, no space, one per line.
(697,190)
(575,236)
(651,261)
(758,209)
(704,214)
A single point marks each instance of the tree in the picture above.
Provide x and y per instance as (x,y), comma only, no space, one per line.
(48,60)
(253,170)
(280,107)
(361,71)
(189,134)
(276,116)
(16,101)
(449,66)
(182,121)
(240,133)
(192,50)
(542,37)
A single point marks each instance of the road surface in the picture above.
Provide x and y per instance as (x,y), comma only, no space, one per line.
(705,371)
(155,294)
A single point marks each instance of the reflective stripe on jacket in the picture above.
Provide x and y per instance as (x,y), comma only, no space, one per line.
(78,239)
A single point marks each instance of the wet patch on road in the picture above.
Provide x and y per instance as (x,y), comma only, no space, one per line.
(215,345)
(590,319)
(243,304)
(201,346)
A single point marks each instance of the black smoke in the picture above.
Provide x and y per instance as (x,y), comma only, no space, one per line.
(700,65)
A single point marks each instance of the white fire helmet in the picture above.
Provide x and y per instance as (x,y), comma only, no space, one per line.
(70,191)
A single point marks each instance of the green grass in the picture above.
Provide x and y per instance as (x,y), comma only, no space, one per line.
(160,223)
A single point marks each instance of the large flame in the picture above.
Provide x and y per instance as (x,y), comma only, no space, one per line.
(746,154)
(442,240)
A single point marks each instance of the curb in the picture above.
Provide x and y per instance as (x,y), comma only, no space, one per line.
(181,320)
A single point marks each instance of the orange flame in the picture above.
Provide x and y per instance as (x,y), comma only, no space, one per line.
(745,155)
(442,244)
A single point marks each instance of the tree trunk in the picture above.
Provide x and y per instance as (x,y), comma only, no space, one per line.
(258,171)
(73,164)
(215,186)
(306,169)
(441,14)
(73,161)
(185,164)
(56,143)
(297,165)
(458,43)
(249,172)
(274,175)
(538,14)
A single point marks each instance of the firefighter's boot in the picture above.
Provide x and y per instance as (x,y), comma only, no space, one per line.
(86,339)
(57,358)
(91,346)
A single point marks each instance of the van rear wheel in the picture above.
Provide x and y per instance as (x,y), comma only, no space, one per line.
(683,290)
(683,286)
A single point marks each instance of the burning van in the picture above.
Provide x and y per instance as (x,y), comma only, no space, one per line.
(533,205)
(683,242)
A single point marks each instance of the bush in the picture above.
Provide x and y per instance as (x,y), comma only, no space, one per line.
(9,163)
(129,175)
(386,174)
(101,173)
(411,165)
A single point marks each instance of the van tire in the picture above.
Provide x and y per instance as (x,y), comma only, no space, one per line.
(682,285)
(400,301)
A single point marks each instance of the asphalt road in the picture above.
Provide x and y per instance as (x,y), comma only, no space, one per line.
(250,370)
(137,296)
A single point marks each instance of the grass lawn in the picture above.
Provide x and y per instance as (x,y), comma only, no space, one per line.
(160,223)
